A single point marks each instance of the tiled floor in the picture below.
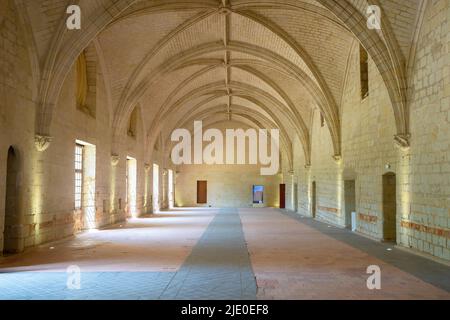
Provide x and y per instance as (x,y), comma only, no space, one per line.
(299,258)
(216,254)
(219,266)
(94,286)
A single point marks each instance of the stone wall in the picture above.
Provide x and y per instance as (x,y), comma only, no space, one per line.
(228,185)
(368,150)
(45,182)
(17,92)
(426,222)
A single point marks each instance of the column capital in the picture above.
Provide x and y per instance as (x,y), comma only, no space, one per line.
(42,142)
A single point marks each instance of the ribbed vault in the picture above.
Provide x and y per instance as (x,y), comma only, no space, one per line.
(270,62)
(256,119)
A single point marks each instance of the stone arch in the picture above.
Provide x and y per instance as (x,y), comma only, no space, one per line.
(249,93)
(30,44)
(274,122)
(253,124)
(168,8)
(259,75)
(12,234)
(178,60)
(64,53)
(65,48)
(256,118)
(102,67)
(417,32)
(391,69)
(332,112)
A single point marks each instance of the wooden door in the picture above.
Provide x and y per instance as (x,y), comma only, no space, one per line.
(202,192)
(389,208)
(282,196)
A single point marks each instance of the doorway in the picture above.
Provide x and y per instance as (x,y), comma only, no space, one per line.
(131,186)
(170,189)
(313,199)
(11,241)
(202,192)
(155,198)
(349,201)
(295,197)
(282,196)
(258,195)
(85,184)
(389,207)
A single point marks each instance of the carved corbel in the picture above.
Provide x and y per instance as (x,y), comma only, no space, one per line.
(115,159)
(42,142)
(337,158)
(147,167)
(402,141)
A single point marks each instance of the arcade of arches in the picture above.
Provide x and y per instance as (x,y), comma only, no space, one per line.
(86,118)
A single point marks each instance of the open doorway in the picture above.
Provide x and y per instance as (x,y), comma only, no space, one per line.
(155,188)
(11,240)
(258,195)
(349,201)
(85,185)
(313,199)
(170,189)
(131,187)
(389,207)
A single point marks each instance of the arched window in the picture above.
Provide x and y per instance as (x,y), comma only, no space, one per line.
(82,85)
(158,143)
(12,243)
(132,124)
(86,78)
(364,72)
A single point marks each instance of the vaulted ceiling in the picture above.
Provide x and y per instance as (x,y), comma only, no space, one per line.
(278,61)
(270,62)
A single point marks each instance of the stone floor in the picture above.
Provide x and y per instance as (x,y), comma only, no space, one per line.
(221,254)
(299,258)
